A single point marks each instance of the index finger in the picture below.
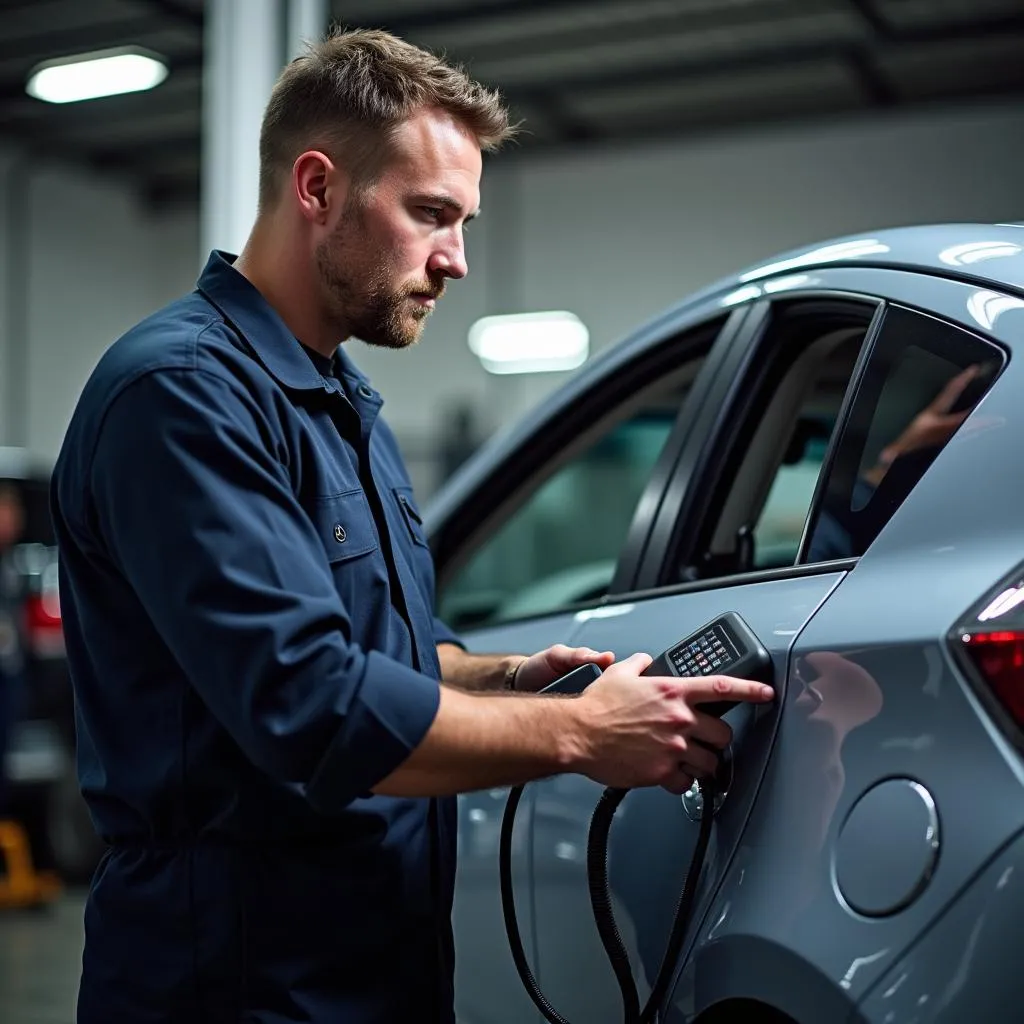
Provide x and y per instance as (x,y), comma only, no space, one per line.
(710,689)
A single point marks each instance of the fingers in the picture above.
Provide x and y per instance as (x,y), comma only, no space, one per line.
(712,689)
(711,731)
(679,782)
(587,655)
(698,761)
(637,663)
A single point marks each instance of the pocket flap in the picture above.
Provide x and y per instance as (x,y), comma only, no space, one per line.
(411,514)
(345,525)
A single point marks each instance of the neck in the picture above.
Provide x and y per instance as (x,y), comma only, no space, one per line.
(283,274)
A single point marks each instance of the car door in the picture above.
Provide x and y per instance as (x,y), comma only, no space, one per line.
(537,527)
(725,537)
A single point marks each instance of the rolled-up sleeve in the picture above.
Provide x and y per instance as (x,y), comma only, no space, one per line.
(197,511)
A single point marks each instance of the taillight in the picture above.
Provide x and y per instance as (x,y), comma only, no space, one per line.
(990,640)
(999,657)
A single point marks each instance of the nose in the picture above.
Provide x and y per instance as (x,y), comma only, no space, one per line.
(449,259)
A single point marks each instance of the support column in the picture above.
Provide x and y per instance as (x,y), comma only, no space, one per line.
(307,22)
(244,54)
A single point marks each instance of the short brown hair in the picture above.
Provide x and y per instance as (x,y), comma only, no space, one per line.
(347,94)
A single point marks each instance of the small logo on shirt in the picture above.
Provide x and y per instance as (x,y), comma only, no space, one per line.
(339,533)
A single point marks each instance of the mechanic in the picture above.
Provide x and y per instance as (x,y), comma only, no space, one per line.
(247,593)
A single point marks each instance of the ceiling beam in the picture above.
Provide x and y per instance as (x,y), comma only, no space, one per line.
(872,17)
(565,124)
(672,69)
(876,87)
(429,17)
(174,11)
(61,42)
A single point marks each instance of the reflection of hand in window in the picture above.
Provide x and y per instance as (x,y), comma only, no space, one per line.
(930,428)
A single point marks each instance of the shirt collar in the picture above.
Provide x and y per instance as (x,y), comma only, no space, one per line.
(245,309)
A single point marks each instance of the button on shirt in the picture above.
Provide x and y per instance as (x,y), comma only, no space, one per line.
(247,597)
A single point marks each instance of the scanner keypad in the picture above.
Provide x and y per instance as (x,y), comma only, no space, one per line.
(708,653)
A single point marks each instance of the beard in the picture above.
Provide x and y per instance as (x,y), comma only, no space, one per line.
(359,292)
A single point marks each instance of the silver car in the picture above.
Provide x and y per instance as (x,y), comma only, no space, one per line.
(828,445)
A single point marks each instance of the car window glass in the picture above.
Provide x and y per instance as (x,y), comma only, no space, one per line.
(561,544)
(922,379)
(781,522)
(769,469)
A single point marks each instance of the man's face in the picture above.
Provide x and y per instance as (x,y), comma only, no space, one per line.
(385,263)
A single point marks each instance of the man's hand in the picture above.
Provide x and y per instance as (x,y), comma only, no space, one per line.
(544,667)
(649,730)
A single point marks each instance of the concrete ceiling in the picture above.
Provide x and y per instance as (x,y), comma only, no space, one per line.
(579,72)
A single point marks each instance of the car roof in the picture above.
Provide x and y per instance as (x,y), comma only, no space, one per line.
(987,255)
(991,253)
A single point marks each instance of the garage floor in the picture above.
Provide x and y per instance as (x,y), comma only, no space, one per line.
(40,961)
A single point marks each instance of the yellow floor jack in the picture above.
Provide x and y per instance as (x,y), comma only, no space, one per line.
(22,885)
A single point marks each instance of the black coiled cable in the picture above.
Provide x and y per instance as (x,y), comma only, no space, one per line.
(600,901)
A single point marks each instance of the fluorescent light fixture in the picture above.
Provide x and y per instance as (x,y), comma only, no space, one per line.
(88,76)
(530,342)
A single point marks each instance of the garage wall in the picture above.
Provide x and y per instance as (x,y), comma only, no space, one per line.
(614,237)
(97,264)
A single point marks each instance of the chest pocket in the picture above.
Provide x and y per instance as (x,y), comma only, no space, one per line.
(345,525)
(411,514)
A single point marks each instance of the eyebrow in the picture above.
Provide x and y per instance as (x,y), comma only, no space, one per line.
(447,201)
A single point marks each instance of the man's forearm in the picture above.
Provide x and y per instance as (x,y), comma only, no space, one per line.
(476,671)
(483,741)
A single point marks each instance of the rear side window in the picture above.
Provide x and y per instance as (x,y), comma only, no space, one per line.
(922,379)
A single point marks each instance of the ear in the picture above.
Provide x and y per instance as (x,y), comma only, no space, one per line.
(318,185)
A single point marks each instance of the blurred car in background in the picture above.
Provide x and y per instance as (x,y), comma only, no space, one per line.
(40,755)
(829,445)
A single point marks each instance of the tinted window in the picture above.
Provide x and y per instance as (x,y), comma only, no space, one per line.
(561,545)
(781,522)
(922,379)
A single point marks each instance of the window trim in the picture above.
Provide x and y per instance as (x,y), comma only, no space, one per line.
(789,572)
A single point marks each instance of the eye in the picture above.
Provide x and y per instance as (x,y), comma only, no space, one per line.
(433,212)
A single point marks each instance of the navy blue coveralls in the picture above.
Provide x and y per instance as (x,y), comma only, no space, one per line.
(248,598)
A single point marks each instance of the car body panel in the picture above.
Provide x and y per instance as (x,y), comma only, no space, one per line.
(960,971)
